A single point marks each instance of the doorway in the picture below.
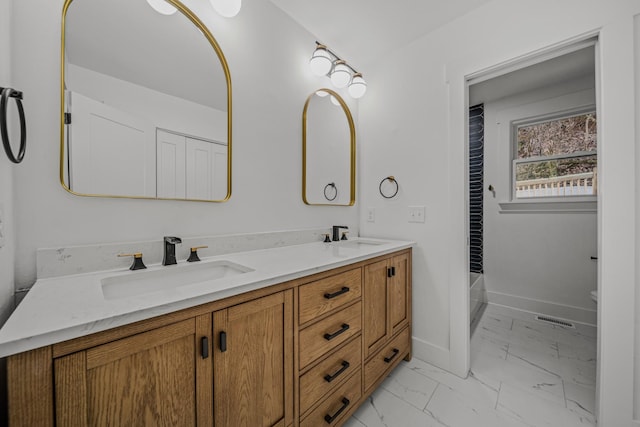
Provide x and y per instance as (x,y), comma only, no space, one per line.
(538,221)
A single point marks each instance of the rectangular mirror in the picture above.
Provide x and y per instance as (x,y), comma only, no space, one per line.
(328,151)
(146,103)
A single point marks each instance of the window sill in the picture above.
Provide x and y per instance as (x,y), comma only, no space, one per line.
(548,207)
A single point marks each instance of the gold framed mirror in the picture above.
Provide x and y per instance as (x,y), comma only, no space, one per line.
(145,105)
(328,151)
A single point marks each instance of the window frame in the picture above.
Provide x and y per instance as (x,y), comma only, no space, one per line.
(529,121)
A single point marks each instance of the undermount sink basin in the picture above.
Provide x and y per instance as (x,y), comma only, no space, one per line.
(357,243)
(167,278)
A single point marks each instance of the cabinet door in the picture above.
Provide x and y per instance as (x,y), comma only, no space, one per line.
(399,293)
(375,306)
(148,379)
(253,363)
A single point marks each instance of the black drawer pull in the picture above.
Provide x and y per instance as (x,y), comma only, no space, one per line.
(204,343)
(330,418)
(223,341)
(329,337)
(389,272)
(344,290)
(393,271)
(389,359)
(345,366)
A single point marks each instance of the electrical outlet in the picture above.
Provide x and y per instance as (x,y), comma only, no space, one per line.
(371,214)
(416,213)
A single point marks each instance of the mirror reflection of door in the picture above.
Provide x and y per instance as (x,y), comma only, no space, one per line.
(102,136)
(131,98)
(190,167)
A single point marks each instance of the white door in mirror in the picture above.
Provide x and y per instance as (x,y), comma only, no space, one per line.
(191,167)
(110,150)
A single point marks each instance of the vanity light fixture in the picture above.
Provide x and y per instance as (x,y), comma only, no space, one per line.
(358,86)
(226,8)
(341,75)
(163,7)
(335,101)
(324,62)
(321,61)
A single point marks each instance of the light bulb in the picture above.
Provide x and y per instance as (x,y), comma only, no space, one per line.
(358,86)
(321,93)
(341,75)
(320,61)
(335,101)
(226,8)
(163,7)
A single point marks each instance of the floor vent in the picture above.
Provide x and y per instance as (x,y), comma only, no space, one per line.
(555,321)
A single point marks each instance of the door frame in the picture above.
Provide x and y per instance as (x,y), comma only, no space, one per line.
(458,80)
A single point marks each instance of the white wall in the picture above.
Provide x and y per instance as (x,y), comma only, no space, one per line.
(541,261)
(268,59)
(162,110)
(6,173)
(412,124)
(636,390)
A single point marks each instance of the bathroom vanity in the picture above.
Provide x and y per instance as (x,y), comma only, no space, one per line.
(300,337)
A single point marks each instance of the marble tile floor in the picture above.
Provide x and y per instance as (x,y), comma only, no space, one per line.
(524,373)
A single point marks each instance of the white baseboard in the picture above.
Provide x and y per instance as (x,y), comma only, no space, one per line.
(567,312)
(432,354)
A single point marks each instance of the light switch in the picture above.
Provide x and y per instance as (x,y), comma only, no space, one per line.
(416,213)
(371,214)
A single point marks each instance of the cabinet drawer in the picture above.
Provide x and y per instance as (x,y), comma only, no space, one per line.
(324,295)
(331,371)
(334,408)
(388,356)
(329,333)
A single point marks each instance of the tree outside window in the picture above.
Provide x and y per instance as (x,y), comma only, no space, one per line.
(556,158)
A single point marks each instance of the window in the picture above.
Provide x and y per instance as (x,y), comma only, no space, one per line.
(556,158)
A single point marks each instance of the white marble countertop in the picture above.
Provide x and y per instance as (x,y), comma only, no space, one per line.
(67,307)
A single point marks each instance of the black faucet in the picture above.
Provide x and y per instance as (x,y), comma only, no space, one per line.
(170,250)
(336,232)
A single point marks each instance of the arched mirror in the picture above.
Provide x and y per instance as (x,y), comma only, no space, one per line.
(146,103)
(328,151)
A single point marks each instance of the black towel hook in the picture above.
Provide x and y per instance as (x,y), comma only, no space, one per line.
(392,180)
(335,191)
(7,93)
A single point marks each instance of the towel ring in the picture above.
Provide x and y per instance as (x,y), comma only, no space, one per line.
(335,191)
(390,179)
(6,94)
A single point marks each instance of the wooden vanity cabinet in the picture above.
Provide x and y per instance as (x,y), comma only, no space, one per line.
(153,378)
(172,376)
(253,363)
(386,300)
(301,353)
(387,316)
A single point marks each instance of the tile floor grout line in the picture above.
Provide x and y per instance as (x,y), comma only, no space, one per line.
(431,397)
(432,394)
(564,393)
(498,396)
